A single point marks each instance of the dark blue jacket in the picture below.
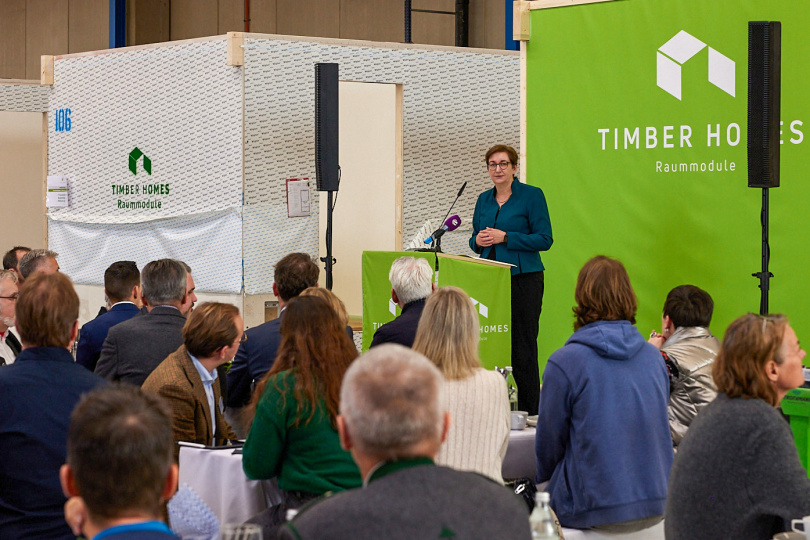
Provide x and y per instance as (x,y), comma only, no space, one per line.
(254,358)
(603,439)
(94,333)
(524,218)
(37,394)
(401,330)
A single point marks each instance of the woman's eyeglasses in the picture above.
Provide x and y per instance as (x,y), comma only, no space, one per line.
(502,165)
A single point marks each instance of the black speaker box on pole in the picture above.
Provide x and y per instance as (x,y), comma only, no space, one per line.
(326,127)
(764,76)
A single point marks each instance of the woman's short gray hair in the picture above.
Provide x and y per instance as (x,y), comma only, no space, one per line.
(391,400)
(411,278)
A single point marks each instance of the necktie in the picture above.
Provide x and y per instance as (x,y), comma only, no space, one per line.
(13,343)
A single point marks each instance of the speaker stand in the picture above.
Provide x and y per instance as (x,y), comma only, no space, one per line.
(764,275)
(329,260)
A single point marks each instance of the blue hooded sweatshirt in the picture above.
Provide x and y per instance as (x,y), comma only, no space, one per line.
(603,439)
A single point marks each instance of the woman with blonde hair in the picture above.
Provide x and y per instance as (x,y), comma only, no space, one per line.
(448,335)
(737,473)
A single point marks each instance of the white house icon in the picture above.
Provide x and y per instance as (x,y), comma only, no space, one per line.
(683,46)
(482,309)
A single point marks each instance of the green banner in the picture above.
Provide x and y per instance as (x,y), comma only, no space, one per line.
(490,288)
(637,134)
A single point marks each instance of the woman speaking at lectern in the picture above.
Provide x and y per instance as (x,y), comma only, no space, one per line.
(511,225)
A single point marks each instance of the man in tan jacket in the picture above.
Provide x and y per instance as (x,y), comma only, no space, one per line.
(188,377)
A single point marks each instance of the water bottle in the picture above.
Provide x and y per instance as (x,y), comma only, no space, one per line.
(511,388)
(541,521)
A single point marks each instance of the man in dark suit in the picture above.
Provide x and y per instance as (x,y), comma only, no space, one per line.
(393,423)
(37,393)
(122,287)
(134,348)
(119,468)
(188,378)
(292,274)
(411,282)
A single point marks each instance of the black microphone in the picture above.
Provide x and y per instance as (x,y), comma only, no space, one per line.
(460,191)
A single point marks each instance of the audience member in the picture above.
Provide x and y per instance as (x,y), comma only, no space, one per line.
(336,303)
(411,282)
(37,394)
(188,378)
(37,261)
(293,273)
(134,348)
(294,436)
(448,334)
(688,348)
(10,345)
(119,467)
(11,259)
(122,287)
(603,440)
(737,473)
(392,421)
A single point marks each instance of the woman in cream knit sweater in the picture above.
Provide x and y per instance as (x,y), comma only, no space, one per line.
(476,398)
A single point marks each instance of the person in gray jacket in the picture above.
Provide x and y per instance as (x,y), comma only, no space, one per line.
(392,422)
(689,349)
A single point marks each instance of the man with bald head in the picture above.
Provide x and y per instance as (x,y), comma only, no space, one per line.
(10,345)
(392,421)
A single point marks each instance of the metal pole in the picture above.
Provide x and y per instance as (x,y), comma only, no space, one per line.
(408,21)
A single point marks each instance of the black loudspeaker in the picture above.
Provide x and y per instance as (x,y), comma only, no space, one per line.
(326,127)
(764,82)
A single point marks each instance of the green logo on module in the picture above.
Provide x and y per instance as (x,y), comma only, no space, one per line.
(136,155)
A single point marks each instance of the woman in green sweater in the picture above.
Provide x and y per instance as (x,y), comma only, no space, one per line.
(293,436)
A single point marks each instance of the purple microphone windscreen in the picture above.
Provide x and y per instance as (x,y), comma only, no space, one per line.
(452,223)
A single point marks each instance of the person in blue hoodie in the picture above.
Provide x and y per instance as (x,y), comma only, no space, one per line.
(603,441)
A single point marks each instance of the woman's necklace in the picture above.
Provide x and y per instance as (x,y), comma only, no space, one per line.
(502,201)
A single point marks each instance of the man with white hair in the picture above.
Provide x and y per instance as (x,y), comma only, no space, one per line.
(10,345)
(411,282)
(392,422)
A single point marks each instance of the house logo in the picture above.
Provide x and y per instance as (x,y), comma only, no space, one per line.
(136,155)
(683,46)
(392,307)
(482,309)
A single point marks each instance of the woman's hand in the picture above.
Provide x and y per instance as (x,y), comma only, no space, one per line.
(489,237)
(657,339)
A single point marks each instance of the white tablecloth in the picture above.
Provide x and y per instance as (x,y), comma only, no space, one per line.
(217,477)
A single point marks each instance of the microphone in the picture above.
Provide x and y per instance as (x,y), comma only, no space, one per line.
(451,224)
(460,191)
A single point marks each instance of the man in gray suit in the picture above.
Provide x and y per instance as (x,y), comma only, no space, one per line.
(392,422)
(134,348)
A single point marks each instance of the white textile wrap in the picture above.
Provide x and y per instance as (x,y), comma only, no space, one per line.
(210,243)
(269,236)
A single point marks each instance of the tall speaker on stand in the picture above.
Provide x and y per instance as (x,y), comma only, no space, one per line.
(327,169)
(764,93)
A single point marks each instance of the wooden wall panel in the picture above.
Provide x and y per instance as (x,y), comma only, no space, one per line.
(231,16)
(433,28)
(46,32)
(12,39)
(88,25)
(148,21)
(263,16)
(316,18)
(193,18)
(372,20)
(487,24)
